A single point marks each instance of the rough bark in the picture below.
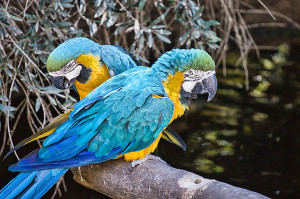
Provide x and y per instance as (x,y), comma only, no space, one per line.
(153,179)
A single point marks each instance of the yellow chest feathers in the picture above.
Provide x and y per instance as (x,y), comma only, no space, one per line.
(172,87)
(99,74)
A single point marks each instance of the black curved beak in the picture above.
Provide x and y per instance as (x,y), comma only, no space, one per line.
(208,85)
(62,82)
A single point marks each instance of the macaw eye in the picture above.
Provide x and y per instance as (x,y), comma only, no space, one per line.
(69,66)
(190,72)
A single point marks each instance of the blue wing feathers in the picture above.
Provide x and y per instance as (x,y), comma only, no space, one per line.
(116,60)
(32,162)
(61,148)
(118,117)
(115,118)
(83,139)
(85,102)
(94,143)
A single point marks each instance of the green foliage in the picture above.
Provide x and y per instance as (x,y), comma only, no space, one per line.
(29,31)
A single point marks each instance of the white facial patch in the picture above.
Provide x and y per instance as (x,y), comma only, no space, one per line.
(74,73)
(192,77)
(188,86)
(70,70)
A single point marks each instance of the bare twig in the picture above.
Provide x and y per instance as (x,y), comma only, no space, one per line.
(267,9)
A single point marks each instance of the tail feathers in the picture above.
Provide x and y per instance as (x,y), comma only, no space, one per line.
(31,185)
(171,136)
(48,130)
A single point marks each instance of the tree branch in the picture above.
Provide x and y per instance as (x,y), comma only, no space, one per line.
(153,179)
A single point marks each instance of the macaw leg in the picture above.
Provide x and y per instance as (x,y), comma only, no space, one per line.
(140,161)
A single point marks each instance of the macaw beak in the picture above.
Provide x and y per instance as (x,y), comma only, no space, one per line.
(62,82)
(207,85)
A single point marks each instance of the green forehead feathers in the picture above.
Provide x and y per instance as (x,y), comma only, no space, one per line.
(70,50)
(192,59)
(182,60)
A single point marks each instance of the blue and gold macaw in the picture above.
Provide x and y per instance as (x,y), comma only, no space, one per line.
(125,114)
(84,64)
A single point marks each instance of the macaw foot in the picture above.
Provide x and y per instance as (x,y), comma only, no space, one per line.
(140,161)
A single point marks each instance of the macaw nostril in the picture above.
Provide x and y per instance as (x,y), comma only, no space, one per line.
(68,83)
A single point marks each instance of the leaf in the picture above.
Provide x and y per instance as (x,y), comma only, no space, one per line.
(213,45)
(150,40)
(8,72)
(158,27)
(51,89)
(4,98)
(36,27)
(163,38)
(141,42)
(13,17)
(103,18)
(52,100)
(100,10)
(141,4)
(15,29)
(15,88)
(82,6)
(198,13)
(93,28)
(97,3)
(196,34)
(163,32)
(69,104)
(9,65)
(63,13)
(63,23)
(5,108)
(142,59)
(159,19)
(112,20)
(67,5)
(160,5)
(37,104)
(31,87)
(136,27)
(30,17)
(211,23)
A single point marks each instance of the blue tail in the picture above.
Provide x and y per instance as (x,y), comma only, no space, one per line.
(31,185)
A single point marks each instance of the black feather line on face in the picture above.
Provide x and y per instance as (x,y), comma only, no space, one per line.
(84,75)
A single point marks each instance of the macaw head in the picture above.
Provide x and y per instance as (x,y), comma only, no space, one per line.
(63,66)
(194,69)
